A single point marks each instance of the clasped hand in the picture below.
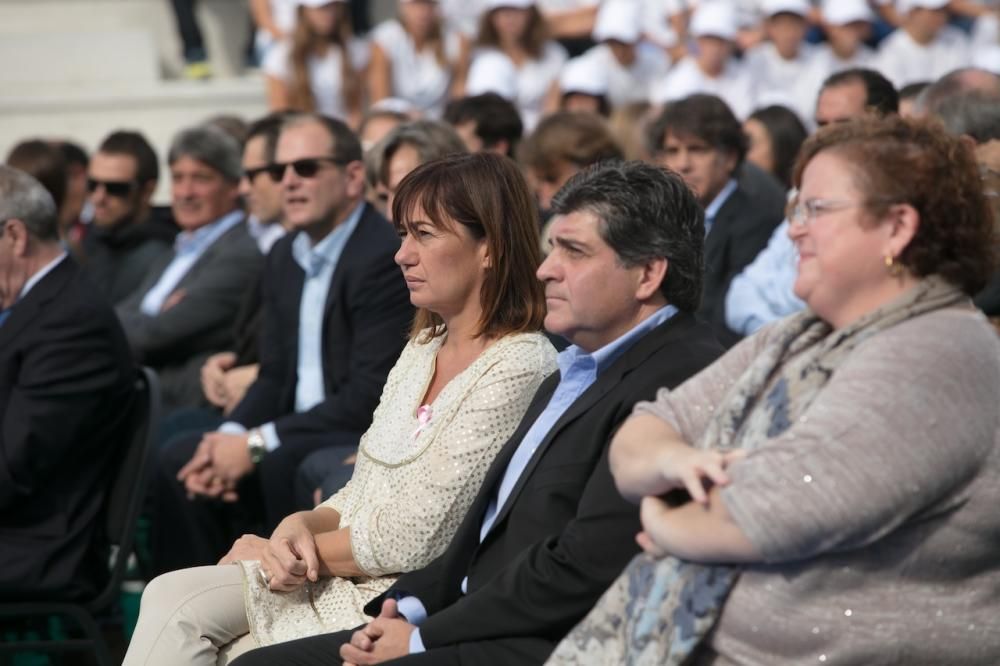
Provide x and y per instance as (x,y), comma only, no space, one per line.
(287,560)
(384,638)
(217,465)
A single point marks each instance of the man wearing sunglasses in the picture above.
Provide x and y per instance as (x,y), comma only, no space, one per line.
(65,395)
(124,241)
(184,310)
(336,312)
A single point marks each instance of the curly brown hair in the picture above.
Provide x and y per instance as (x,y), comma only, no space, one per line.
(897,160)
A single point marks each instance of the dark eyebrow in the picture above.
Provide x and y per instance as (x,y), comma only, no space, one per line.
(569,244)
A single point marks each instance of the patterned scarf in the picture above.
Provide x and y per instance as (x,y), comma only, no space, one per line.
(659,610)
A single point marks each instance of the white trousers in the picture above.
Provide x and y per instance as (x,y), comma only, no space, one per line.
(192,616)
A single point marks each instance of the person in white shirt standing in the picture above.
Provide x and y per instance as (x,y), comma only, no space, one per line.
(712,69)
(317,68)
(924,47)
(629,65)
(413,59)
(515,30)
(780,64)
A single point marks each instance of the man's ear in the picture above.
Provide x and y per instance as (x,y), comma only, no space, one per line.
(654,272)
(146,192)
(16,233)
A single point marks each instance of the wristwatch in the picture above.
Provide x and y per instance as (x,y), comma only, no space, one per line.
(256,446)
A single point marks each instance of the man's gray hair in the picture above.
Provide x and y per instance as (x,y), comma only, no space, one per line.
(429,138)
(210,145)
(974,113)
(24,198)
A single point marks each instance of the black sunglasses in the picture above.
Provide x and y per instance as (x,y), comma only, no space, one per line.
(251,174)
(304,168)
(114,188)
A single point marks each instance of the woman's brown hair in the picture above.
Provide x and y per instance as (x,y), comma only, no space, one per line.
(487,194)
(532,41)
(915,162)
(306,42)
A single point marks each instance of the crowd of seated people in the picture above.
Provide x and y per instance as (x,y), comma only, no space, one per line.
(468,358)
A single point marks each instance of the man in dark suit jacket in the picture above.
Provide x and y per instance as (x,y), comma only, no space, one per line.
(701,139)
(66,389)
(184,309)
(336,314)
(548,531)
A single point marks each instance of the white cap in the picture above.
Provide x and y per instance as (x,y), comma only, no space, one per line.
(906,5)
(620,20)
(714,19)
(517,4)
(842,12)
(581,75)
(772,7)
(317,3)
(492,71)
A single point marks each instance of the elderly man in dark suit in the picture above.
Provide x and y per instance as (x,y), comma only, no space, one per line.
(548,531)
(184,310)
(701,139)
(66,387)
(336,313)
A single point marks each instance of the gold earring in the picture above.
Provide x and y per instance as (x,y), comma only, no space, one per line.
(895,270)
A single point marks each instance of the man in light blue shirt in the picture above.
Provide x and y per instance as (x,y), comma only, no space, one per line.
(335,315)
(763,291)
(183,311)
(548,532)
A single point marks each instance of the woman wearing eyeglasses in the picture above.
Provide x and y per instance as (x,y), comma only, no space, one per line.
(827,492)
(473,363)
(319,68)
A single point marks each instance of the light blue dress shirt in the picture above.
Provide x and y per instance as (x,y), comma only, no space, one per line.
(318,262)
(188,248)
(712,209)
(578,370)
(763,292)
(31,282)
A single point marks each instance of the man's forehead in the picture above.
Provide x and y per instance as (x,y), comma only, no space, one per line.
(190,163)
(579,226)
(672,139)
(305,138)
(843,101)
(102,161)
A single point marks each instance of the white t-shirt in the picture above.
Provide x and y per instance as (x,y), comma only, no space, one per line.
(903,61)
(417,78)
(633,83)
(462,16)
(324,73)
(735,85)
(534,79)
(781,81)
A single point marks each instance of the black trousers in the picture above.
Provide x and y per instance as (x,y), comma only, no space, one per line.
(187,28)
(324,650)
(197,532)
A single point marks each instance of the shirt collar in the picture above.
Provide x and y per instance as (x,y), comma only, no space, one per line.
(311,258)
(37,277)
(602,358)
(712,209)
(198,240)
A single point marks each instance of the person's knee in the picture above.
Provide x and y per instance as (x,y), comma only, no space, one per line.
(165,591)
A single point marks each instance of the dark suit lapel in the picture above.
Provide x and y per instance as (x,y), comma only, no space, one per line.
(208,256)
(43,292)
(610,378)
